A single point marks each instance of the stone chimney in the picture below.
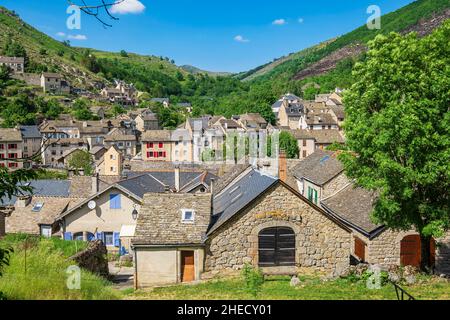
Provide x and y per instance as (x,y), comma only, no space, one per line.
(177,178)
(23,201)
(282,166)
(95,183)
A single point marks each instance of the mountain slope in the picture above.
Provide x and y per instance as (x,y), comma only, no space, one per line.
(422,16)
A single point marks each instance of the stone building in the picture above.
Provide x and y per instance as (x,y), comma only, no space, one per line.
(11,145)
(32,141)
(16,64)
(54,83)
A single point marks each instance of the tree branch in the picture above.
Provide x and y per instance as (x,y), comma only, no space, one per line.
(95,10)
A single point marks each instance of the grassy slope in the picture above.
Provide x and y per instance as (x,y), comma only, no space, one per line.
(395,21)
(44,277)
(311,288)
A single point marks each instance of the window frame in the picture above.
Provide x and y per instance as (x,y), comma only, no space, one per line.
(183,216)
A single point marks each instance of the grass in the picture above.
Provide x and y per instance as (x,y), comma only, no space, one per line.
(311,288)
(38,271)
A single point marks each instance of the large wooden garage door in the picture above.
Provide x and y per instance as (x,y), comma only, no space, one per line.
(276,247)
(410,251)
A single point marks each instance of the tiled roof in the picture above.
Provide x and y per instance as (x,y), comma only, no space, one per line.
(7,135)
(157,135)
(320,119)
(237,195)
(319,168)
(301,134)
(25,220)
(120,137)
(353,205)
(256,117)
(327,136)
(19,60)
(295,110)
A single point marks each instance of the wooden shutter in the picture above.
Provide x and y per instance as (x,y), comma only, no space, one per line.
(116,239)
(360,249)
(67,235)
(276,247)
(410,251)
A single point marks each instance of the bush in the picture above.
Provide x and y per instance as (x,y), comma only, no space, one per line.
(253,278)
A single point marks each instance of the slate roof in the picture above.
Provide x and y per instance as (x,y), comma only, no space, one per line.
(353,205)
(227,178)
(43,188)
(339,111)
(301,134)
(161,100)
(199,123)
(30,132)
(19,60)
(237,195)
(277,104)
(319,168)
(295,110)
(320,119)
(327,136)
(291,97)
(7,135)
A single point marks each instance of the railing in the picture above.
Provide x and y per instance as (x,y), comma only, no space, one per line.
(401,293)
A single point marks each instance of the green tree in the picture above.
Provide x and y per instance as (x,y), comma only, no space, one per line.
(117,109)
(81,159)
(289,144)
(398,126)
(124,54)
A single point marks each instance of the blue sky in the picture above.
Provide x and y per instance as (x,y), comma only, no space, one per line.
(215,35)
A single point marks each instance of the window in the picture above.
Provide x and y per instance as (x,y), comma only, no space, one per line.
(114,201)
(108,238)
(46,230)
(78,236)
(37,207)
(187,215)
(12,146)
(150,145)
(160,154)
(161,145)
(312,195)
(304,143)
(304,153)
(113,169)
(2,156)
(12,155)
(12,165)
(2,146)
(150,154)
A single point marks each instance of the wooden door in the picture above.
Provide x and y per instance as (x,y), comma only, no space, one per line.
(276,247)
(187,266)
(410,251)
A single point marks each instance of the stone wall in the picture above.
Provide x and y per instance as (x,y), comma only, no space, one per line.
(336,184)
(321,244)
(443,255)
(93,258)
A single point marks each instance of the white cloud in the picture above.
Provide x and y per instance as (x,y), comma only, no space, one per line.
(240,38)
(279,22)
(128,6)
(77,37)
(61,34)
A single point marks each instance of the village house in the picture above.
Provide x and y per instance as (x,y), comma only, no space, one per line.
(111,164)
(320,120)
(147,121)
(252,121)
(285,100)
(32,141)
(164,101)
(57,149)
(182,147)
(321,178)
(325,138)
(186,106)
(98,111)
(291,115)
(123,94)
(305,141)
(15,64)
(54,83)
(125,143)
(181,238)
(111,214)
(36,213)
(157,145)
(11,146)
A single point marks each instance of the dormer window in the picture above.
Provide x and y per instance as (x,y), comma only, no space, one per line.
(187,215)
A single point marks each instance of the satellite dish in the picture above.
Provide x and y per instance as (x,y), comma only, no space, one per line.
(92,204)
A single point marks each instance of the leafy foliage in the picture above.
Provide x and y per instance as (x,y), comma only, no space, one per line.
(81,159)
(253,278)
(398,125)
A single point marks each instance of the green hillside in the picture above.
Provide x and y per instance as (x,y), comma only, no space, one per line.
(400,20)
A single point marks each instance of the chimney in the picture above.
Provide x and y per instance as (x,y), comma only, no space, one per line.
(282,166)
(23,201)
(177,178)
(95,183)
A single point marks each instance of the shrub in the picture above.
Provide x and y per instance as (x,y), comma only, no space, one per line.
(253,279)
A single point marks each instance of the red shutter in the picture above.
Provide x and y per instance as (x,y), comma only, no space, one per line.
(161,145)
(164,154)
(148,154)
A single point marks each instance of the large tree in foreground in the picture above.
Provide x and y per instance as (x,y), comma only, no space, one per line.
(398,126)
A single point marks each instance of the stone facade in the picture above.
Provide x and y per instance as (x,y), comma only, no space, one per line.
(2,224)
(334,185)
(321,244)
(93,258)
(443,255)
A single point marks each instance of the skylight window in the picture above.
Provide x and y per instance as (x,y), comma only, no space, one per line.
(187,215)
(37,207)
